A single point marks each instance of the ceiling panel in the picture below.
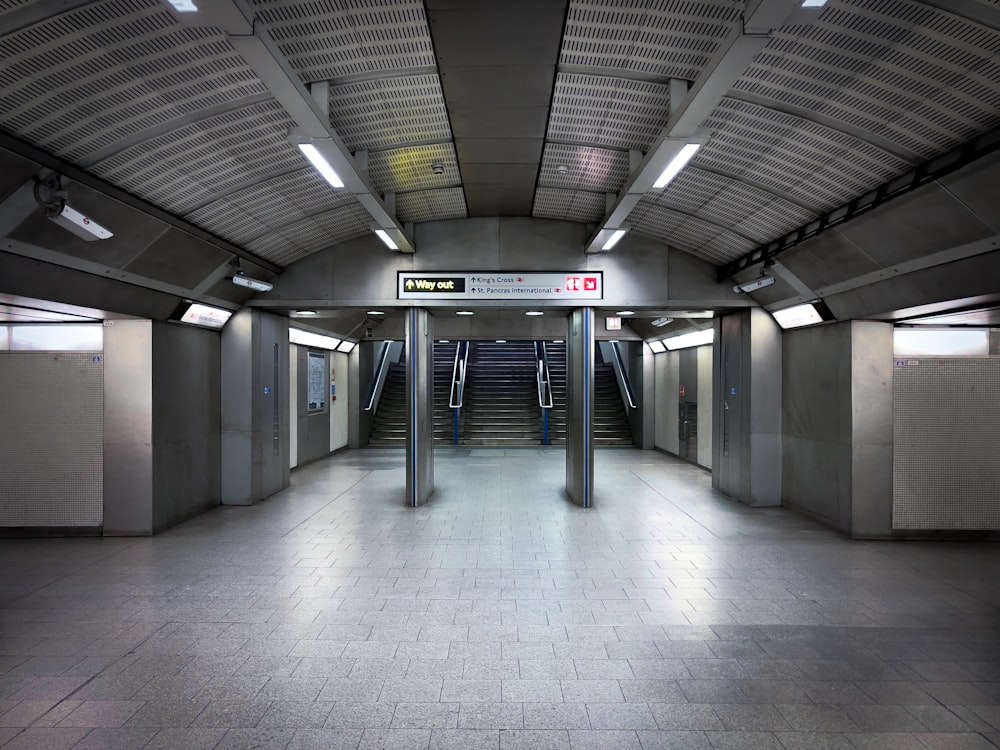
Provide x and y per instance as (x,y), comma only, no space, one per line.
(178,258)
(92,77)
(328,39)
(431,205)
(247,214)
(607,111)
(502,150)
(662,38)
(299,239)
(593,169)
(386,112)
(924,78)
(568,205)
(193,165)
(687,233)
(812,163)
(407,169)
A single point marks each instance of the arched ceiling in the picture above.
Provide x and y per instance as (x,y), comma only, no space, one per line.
(529,107)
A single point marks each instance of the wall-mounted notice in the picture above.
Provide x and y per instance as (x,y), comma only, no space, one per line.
(316,374)
(566,286)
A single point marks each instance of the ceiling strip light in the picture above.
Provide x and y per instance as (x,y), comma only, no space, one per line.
(384,236)
(615,238)
(677,164)
(321,164)
(696,338)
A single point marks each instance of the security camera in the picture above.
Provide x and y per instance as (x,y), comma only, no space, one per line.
(369,332)
(437,168)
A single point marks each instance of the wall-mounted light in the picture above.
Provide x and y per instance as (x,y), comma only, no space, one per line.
(760,282)
(54,200)
(305,313)
(797,316)
(464,312)
(660,322)
(534,313)
(386,239)
(315,340)
(240,278)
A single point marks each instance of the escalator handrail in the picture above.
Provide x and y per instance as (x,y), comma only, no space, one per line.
(542,376)
(619,366)
(456,395)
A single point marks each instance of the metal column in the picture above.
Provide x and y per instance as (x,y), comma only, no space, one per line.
(580,407)
(419,407)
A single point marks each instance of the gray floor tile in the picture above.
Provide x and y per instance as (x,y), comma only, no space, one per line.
(465,739)
(588,739)
(231,714)
(955,741)
(592,691)
(395,739)
(167,714)
(268,738)
(617,716)
(128,738)
(101,714)
(325,739)
(813,741)
(345,714)
(535,739)
(425,716)
(817,718)
(750,718)
(556,716)
(296,714)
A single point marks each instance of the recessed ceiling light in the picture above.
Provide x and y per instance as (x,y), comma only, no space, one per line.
(305,313)
(813,3)
(464,312)
(501,341)
(625,312)
(660,322)
(534,313)
(374,312)
(562,169)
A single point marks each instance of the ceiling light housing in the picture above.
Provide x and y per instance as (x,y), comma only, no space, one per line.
(386,239)
(241,279)
(183,6)
(813,3)
(797,316)
(464,312)
(752,286)
(534,313)
(625,313)
(321,165)
(685,340)
(660,322)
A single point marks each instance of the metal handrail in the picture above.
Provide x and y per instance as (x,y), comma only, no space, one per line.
(542,377)
(623,381)
(381,373)
(457,393)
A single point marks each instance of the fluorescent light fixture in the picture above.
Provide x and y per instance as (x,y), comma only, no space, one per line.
(501,341)
(660,322)
(813,3)
(346,347)
(384,236)
(676,164)
(184,6)
(656,347)
(72,220)
(685,340)
(798,316)
(951,342)
(534,313)
(321,164)
(464,312)
(444,341)
(615,238)
(625,313)
(315,340)
(305,313)
(241,279)
(205,315)
(374,312)
(752,286)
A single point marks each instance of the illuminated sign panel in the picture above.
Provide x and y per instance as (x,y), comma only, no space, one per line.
(567,286)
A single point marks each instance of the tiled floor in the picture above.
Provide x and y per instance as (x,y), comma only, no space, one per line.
(499,616)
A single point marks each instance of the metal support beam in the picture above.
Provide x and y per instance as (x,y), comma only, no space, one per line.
(915,178)
(969,10)
(37,12)
(258,48)
(733,56)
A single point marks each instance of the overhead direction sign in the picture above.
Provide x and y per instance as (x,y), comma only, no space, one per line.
(569,286)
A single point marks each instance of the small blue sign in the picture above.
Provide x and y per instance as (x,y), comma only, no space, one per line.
(95,359)
(732,391)
(900,363)
(333,389)
(267,391)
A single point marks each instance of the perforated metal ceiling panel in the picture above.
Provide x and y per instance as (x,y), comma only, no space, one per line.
(270,204)
(408,169)
(812,163)
(663,38)
(751,212)
(608,111)
(431,205)
(922,77)
(386,112)
(299,239)
(196,164)
(593,169)
(329,39)
(687,233)
(89,78)
(568,205)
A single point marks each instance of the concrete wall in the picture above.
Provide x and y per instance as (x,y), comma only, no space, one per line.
(705,395)
(128,428)
(837,425)
(186,423)
(667,368)
(691,368)
(319,434)
(255,406)
(340,401)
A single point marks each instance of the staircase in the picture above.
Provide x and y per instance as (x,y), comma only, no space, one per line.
(611,425)
(501,396)
(556,355)
(389,425)
(444,364)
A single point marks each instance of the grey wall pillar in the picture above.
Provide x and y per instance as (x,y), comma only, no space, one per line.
(746,441)
(580,407)
(649,397)
(255,408)
(355,398)
(419,406)
(128,428)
